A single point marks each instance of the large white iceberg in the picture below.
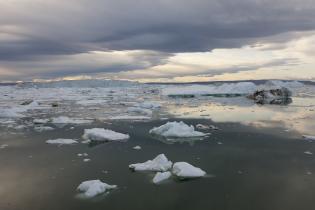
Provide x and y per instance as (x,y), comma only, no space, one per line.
(241,88)
(62,141)
(178,130)
(186,170)
(160,163)
(93,188)
(101,134)
(161,176)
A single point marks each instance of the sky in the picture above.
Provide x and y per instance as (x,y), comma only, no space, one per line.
(157,41)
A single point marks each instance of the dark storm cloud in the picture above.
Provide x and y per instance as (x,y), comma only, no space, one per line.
(55,27)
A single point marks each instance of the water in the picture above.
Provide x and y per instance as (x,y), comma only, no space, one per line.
(255,161)
(253,168)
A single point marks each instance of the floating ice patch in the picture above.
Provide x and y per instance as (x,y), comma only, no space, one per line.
(101,134)
(130,117)
(3,146)
(150,105)
(62,141)
(160,163)
(137,147)
(161,176)
(40,121)
(185,170)
(308,153)
(178,130)
(67,120)
(91,102)
(10,113)
(226,89)
(93,188)
(308,137)
(43,128)
(139,110)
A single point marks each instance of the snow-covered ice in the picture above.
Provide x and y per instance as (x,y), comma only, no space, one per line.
(178,130)
(101,134)
(161,176)
(62,141)
(186,170)
(159,163)
(92,188)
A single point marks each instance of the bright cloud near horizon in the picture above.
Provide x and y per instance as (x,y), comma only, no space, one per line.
(159,41)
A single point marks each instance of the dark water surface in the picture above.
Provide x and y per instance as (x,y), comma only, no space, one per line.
(254,169)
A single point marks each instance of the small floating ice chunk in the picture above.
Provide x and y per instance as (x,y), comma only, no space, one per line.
(130,117)
(159,163)
(101,134)
(10,113)
(93,188)
(43,128)
(62,141)
(3,146)
(139,110)
(308,153)
(150,105)
(67,120)
(177,129)
(137,147)
(86,160)
(185,170)
(308,137)
(161,176)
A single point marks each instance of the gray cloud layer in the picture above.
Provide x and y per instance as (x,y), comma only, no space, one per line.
(31,29)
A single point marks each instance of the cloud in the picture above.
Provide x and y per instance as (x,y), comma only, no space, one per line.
(37,34)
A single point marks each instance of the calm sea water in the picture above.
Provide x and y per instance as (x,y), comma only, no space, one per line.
(254,168)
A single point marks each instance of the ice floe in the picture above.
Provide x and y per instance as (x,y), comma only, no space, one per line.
(137,147)
(92,188)
(68,120)
(186,170)
(40,121)
(101,134)
(308,137)
(159,163)
(43,128)
(130,117)
(308,153)
(178,130)
(161,176)
(225,89)
(62,141)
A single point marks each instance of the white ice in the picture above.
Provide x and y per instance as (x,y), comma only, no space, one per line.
(101,134)
(308,137)
(177,129)
(186,170)
(67,120)
(93,188)
(226,88)
(161,176)
(137,147)
(62,141)
(159,163)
